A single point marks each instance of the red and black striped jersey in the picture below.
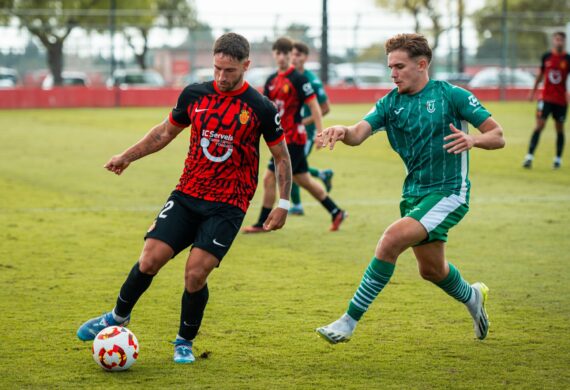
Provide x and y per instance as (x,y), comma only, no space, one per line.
(289,90)
(555,67)
(223,159)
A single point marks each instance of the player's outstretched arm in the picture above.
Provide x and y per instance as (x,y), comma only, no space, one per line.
(491,137)
(157,138)
(278,215)
(316,114)
(537,81)
(350,135)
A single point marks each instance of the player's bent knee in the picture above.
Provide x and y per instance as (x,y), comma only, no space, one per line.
(432,274)
(154,256)
(195,279)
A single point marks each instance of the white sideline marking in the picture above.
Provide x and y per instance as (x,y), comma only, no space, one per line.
(343,203)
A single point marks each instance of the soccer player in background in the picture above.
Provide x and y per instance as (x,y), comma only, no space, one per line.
(289,90)
(426,124)
(299,56)
(554,69)
(206,210)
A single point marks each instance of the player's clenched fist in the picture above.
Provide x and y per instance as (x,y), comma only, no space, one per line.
(117,164)
(330,135)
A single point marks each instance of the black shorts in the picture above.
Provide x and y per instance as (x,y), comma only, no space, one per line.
(544,109)
(185,220)
(298,159)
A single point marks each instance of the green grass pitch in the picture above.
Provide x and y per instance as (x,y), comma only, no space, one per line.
(71,231)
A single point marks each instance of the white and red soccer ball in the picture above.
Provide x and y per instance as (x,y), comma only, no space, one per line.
(115,348)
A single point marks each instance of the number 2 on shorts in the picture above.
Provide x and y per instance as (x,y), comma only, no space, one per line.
(166,207)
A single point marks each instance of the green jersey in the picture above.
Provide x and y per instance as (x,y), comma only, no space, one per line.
(416,125)
(321,98)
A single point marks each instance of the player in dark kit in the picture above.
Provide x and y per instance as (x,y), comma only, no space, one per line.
(206,210)
(289,90)
(554,70)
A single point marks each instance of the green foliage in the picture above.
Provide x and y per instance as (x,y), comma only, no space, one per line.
(418,8)
(529,24)
(71,231)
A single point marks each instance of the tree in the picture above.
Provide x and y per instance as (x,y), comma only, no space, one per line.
(529,24)
(51,22)
(138,17)
(419,9)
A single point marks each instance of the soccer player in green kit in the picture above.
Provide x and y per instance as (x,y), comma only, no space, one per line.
(299,56)
(426,124)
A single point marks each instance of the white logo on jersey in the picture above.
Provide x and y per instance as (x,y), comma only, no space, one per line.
(219,140)
(398,111)
(430,105)
(271,87)
(555,76)
(473,101)
(201,109)
(308,89)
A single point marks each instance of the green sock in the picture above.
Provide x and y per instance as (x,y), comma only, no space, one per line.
(455,285)
(375,278)
(314,172)
(295,194)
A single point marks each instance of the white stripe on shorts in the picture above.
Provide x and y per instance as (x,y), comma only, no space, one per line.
(440,211)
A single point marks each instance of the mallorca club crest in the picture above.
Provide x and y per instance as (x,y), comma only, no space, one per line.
(243,117)
(430,105)
(286,88)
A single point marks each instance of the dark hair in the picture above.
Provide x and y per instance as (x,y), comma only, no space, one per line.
(233,45)
(562,34)
(283,44)
(301,47)
(416,45)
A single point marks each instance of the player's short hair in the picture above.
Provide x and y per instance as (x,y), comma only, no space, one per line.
(301,47)
(561,34)
(283,45)
(233,45)
(416,45)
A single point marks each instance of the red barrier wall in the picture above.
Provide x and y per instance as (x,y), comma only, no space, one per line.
(103,97)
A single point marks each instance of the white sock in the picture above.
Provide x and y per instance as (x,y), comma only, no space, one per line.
(529,157)
(118,318)
(472,302)
(558,160)
(349,320)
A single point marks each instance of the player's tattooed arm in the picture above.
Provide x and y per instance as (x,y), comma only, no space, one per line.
(282,169)
(157,138)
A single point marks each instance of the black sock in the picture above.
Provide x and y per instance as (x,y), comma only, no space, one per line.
(331,206)
(135,285)
(533,142)
(263,216)
(193,305)
(559,143)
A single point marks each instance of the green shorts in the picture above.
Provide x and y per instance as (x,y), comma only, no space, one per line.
(437,212)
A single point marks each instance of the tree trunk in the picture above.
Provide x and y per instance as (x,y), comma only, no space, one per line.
(55,60)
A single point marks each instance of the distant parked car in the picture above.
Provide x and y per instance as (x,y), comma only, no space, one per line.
(69,78)
(257,76)
(363,74)
(492,77)
(128,78)
(199,75)
(9,78)
(455,78)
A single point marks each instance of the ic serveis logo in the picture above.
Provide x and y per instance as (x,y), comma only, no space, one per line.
(224,141)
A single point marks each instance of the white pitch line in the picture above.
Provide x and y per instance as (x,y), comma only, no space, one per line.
(344,203)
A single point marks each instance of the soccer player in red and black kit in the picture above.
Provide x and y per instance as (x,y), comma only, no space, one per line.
(206,210)
(554,70)
(289,90)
